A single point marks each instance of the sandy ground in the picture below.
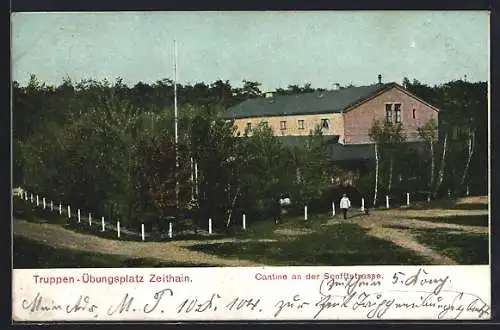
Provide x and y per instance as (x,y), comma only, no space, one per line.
(378,224)
(174,251)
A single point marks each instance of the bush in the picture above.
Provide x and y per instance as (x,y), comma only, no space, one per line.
(23,209)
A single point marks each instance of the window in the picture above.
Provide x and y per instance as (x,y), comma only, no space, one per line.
(324,123)
(388,113)
(249,126)
(397,111)
(414,113)
(283,124)
(301,124)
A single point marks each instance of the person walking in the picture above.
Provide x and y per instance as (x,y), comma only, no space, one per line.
(345,204)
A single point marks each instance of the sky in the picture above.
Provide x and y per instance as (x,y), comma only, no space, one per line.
(274,48)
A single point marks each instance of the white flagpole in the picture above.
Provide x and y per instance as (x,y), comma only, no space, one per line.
(176,120)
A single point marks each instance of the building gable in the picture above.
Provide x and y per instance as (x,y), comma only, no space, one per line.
(411,112)
(387,88)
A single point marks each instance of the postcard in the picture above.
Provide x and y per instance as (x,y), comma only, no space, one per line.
(279,165)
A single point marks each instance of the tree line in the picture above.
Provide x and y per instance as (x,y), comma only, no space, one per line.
(110,149)
(452,156)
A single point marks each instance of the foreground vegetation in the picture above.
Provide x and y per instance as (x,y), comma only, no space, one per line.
(385,237)
(109,149)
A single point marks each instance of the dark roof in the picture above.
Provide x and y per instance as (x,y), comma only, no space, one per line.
(306,103)
(342,152)
(337,151)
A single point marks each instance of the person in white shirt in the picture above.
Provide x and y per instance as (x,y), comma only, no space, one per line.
(345,204)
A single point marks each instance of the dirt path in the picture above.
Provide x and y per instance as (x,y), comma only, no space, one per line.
(404,239)
(174,251)
(379,225)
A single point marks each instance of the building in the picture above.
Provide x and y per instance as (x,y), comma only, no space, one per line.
(345,116)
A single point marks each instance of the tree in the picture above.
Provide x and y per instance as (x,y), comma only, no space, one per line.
(315,169)
(213,143)
(376,134)
(464,109)
(428,133)
(387,137)
(442,165)
(251,89)
(396,138)
(296,89)
(157,170)
(85,142)
(264,170)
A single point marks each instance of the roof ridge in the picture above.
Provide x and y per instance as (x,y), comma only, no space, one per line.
(304,103)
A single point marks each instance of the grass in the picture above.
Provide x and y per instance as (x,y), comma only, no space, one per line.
(345,244)
(267,229)
(31,254)
(449,204)
(480,220)
(464,248)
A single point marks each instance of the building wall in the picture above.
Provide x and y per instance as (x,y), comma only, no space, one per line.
(335,124)
(358,121)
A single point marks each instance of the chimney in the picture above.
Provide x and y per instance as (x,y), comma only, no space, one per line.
(380,79)
(336,86)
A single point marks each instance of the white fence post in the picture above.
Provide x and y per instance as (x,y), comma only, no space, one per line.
(37,202)
(142,231)
(170,229)
(60,208)
(362,204)
(51,205)
(333,209)
(31,198)
(386,201)
(90,219)
(79,215)
(407,199)
(209,225)
(44,204)
(244,222)
(449,193)
(102,222)
(118,228)
(467,191)
(69,212)
(305,212)
(428,198)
